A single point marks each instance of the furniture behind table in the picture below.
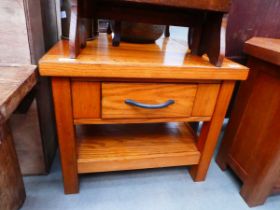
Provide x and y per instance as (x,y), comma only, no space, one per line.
(251,144)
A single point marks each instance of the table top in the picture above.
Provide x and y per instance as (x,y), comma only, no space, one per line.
(267,49)
(15,83)
(166,59)
(212,5)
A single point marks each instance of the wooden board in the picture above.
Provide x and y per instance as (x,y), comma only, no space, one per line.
(135,146)
(115,94)
(136,61)
(86,97)
(15,83)
(140,120)
(213,5)
(66,134)
(264,48)
(205,100)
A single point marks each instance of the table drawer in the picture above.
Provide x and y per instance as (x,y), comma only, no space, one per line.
(147,100)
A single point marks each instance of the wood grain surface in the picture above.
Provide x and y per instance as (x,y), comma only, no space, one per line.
(251,145)
(205,100)
(66,133)
(86,99)
(135,146)
(12,192)
(140,120)
(115,94)
(267,49)
(208,138)
(213,5)
(15,83)
(139,61)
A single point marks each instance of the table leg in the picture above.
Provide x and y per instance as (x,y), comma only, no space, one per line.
(194,38)
(210,132)
(66,133)
(117,34)
(12,192)
(167,31)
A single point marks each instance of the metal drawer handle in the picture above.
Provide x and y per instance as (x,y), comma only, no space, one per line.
(149,106)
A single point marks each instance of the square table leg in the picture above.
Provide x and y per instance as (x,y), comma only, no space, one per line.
(12,192)
(210,132)
(66,133)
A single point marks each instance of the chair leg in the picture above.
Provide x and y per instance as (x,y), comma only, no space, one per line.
(167,31)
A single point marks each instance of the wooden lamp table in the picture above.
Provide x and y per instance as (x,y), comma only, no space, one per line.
(126,108)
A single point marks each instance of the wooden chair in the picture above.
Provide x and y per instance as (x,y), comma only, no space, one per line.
(203,17)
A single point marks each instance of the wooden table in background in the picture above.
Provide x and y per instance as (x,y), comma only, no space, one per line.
(251,145)
(204,19)
(96,87)
(15,83)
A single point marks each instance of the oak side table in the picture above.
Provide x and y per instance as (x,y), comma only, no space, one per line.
(127,108)
(15,83)
(251,145)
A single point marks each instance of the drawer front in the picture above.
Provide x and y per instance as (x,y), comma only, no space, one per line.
(115,96)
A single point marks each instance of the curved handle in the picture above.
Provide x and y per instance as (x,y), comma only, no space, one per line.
(149,106)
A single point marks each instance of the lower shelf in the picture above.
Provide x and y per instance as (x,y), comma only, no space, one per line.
(135,146)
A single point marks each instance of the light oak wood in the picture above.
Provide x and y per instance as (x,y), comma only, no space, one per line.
(136,146)
(211,130)
(115,94)
(135,61)
(141,120)
(150,80)
(152,72)
(66,133)
(205,99)
(86,99)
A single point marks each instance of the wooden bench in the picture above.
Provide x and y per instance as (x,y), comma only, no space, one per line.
(15,83)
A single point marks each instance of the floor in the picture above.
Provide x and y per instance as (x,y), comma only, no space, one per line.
(153,189)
